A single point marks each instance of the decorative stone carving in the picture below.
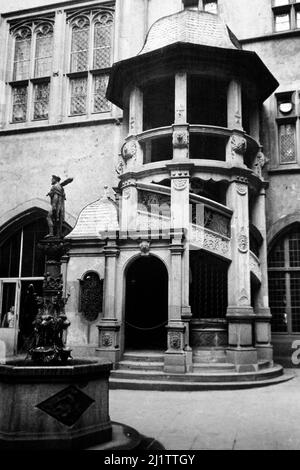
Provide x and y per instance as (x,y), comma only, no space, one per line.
(210,241)
(107,340)
(129,150)
(67,406)
(145,248)
(243,241)
(175,340)
(215,243)
(180,184)
(180,174)
(120,167)
(259,163)
(216,222)
(91,296)
(180,111)
(126,193)
(244,299)
(180,139)
(53,283)
(128,183)
(238,145)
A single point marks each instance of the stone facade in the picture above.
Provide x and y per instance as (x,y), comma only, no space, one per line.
(256,176)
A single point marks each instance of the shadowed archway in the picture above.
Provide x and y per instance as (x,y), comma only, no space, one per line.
(146,314)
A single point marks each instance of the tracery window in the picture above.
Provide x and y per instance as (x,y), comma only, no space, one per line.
(31,76)
(284,283)
(90,61)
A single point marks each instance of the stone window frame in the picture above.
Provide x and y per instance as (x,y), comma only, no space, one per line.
(59,81)
(290,8)
(90,74)
(32,80)
(281,269)
(287,118)
(199,4)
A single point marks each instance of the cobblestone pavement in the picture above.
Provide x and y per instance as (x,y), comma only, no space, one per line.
(263,418)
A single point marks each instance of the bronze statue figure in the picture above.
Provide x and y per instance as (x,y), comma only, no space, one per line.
(56,214)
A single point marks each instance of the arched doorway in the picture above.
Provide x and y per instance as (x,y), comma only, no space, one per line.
(146,314)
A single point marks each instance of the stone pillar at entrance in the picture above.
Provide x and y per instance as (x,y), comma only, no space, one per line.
(108,326)
(239,312)
(175,355)
(261,307)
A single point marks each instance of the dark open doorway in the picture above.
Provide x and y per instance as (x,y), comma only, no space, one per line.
(146,314)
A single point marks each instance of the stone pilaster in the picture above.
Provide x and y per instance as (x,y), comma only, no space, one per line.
(180,127)
(239,312)
(129,205)
(56,111)
(237,144)
(175,360)
(234,105)
(261,306)
(109,327)
(132,153)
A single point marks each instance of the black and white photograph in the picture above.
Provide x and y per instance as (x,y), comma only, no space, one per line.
(149,228)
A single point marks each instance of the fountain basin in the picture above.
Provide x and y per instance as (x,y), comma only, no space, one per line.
(61,407)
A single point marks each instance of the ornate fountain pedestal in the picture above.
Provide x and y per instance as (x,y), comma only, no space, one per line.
(50,400)
(59,407)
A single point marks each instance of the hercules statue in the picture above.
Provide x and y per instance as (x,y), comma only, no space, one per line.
(56,215)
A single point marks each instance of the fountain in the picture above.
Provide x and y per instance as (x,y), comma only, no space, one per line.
(51,400)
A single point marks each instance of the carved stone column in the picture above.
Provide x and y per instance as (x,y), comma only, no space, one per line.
(175,356)
(129,205)
(180,127)
(239,312)
(237,144)
(108,326)
(261,307)
(132,152)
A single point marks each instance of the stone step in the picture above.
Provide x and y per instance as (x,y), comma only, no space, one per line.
(143,356)
(206,376)
(213,366)
(175,385)
(140,365)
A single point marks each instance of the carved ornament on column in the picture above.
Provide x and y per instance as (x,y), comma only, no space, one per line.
(181,179)
(128,183)
(180,111)
(238,145)
(120,167)
(259,163)
(242,184)
(126,193)
(129,150)
(107,340)
(175,341)
(180,139)
(244,299)
(243,241)
(145,248)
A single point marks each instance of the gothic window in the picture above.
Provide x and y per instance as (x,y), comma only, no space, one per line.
(90,61)
(30,84)
(284,283)
(91,296)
